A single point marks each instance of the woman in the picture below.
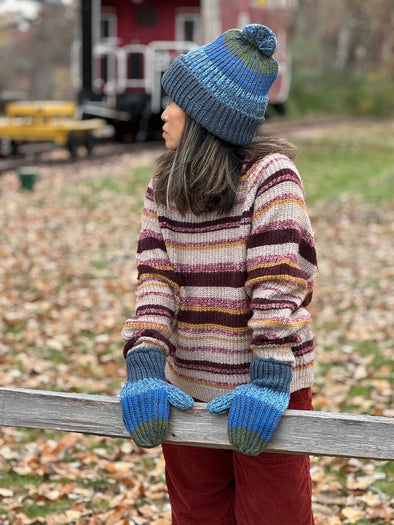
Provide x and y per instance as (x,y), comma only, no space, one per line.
(226,262)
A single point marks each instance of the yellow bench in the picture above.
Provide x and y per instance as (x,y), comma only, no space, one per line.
(48,121)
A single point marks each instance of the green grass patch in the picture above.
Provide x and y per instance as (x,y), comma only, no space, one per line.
(99,506)
(100,485)
(351,163)
(132,183)
(56,357)
(315,91)
(366,348)
(355,160)
(12,480)
(41,510)
(371,521)
(386,485)
(360,390)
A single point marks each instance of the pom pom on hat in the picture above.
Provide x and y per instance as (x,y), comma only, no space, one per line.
(224,85)
(261,37)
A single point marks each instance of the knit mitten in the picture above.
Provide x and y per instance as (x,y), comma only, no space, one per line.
(146,397)
(255,409)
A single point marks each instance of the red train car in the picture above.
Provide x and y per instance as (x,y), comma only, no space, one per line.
(124,46)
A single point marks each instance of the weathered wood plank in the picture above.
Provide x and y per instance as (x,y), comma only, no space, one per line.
(300,432)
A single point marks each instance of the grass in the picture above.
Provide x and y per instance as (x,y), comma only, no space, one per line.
(12,479)
(132,183)
(352,163)
(366,348)
(333,92)
(44,508)
(386,485)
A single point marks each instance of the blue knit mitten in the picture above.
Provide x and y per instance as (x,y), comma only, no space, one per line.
(255,409)
(146,397)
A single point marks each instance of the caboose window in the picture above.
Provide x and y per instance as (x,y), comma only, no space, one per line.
(146,15)
(108,25)
(189,30)
(104,68)
(187,26)
(135,65)
(105,32)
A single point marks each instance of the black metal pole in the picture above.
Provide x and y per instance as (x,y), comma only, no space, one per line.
(86,13)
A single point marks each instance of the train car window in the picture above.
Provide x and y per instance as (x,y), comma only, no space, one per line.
(187,26)
(105,33)
(108,25)
(146,15)
(189,30)
(104,68)
(135,65)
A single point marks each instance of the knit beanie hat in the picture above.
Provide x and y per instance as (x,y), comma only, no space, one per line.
(224,85)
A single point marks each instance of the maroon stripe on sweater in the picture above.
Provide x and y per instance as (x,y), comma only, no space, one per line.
(278,270)
(153,309)
(200,317)
(267,340)
(308,252)
(210,366)
(288,235)
(307,299)
(305,348)
(280,176)
(146,269)
(269,237)
(152,334)
(273,304)
(229,222)
(151,243)
(231,279)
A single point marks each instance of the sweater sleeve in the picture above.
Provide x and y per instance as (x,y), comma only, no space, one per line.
(151,324)
(281,262)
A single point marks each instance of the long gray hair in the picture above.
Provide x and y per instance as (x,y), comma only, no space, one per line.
(203,173)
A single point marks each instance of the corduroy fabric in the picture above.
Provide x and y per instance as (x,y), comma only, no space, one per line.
(225,85)
(225,487)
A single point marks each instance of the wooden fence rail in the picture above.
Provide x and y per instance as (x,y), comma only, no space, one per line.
(300,432)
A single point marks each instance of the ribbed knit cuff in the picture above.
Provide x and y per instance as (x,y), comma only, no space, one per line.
(145,362)
(270,373)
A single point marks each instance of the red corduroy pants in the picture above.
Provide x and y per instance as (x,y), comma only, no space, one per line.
(224,487)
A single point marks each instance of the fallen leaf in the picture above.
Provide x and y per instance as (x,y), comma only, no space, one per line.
(352,515)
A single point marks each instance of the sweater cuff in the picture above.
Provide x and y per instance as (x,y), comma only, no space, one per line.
(145,363)
(272,374)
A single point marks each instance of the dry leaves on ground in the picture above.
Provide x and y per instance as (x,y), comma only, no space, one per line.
(67,281)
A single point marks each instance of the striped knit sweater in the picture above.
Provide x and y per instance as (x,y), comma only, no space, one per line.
(216,291)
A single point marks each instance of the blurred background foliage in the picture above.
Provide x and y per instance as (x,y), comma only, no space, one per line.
(341,52)
(342,55)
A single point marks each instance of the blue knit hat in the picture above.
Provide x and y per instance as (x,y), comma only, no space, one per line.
(224,85)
